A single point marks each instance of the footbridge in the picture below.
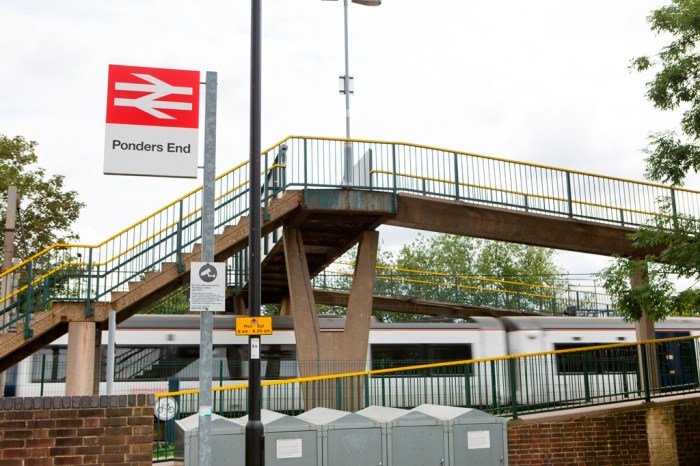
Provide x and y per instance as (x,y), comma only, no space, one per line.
(311,215)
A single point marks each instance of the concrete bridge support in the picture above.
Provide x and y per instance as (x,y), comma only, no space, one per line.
(322,353)
(83,362)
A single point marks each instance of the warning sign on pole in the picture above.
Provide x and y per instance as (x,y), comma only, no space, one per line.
(208,286)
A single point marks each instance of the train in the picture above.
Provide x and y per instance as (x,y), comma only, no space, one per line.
(159,353)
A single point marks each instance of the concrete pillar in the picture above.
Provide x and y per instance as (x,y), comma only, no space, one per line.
(80,370)
(239,305)
(303,305)
(97,363)
(321,353)
(661,436)
(359,314)
(285,307)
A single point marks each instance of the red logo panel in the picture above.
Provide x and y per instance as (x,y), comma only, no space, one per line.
(153,97)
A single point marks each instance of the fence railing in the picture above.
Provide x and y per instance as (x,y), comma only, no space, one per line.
(505,386)
(89,273)
(551,295)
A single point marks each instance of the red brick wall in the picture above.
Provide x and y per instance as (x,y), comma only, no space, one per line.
(615,436)
(687,417)
(115,430)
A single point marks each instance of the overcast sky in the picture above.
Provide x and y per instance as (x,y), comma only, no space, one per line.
(542,81)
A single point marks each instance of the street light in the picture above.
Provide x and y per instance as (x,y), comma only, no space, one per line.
(347,90)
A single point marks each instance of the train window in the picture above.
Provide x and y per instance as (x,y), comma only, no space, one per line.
(607,360)
(387,356)
(49,364)
(134,363)
(181,362)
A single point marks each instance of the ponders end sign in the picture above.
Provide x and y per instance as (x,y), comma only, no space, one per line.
(152,122)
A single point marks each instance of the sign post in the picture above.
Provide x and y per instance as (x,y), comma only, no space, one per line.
(254,429)
(210,274)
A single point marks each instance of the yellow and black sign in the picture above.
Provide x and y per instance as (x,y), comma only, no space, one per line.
(254,326)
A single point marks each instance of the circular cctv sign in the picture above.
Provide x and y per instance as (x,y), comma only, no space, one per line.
(166,408)
(208,273)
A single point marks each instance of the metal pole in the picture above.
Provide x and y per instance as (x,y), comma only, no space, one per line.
(8,254)
(347,71)
(254,430)
(112,328)
(347,158)
(206,317)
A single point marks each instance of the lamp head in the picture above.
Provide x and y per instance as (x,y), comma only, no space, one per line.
(365,2)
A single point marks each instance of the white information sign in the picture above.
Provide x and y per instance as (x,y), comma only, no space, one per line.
(289,448)
(477,439)
(255,348)
(208,286)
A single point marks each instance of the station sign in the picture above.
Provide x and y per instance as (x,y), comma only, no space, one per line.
(208,286)
(254,326)
(152,122)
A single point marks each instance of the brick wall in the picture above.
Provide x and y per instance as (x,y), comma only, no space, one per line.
(660,433)
(115,430)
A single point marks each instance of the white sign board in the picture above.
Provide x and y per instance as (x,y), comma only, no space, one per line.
(152,122)
(208,286)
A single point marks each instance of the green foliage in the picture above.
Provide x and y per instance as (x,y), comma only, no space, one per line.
(657,295)
(675,86)
(47,209)
(654,296)
(671,156)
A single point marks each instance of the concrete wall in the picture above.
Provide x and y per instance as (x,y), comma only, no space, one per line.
(662,433)
(115,430)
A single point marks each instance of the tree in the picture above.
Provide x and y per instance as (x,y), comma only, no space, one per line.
(47,209)
(671,156)
(476,271)
(657,296)
(675,87)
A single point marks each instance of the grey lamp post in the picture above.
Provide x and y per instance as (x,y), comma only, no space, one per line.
(348,159)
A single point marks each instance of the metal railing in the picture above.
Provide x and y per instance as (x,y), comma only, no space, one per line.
(565,296)
(89,273)
(508,386)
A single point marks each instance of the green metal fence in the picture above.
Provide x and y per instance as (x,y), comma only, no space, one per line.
(89,273)
(508,386)
(567,296)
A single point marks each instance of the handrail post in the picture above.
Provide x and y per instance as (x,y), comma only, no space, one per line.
(645,372)
(370,162)
(367,400)
(306,166)
(338,394)
(513,388)
(88,308)
(266,189)
(28,332)
(43,374)
(674,211)
(568,195)
(586,381)
(494,393)
(178,236)
(456,165)
(393,174)
(283,168)
(468,385)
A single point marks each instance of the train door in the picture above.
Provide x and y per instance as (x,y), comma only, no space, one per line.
(677,361)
